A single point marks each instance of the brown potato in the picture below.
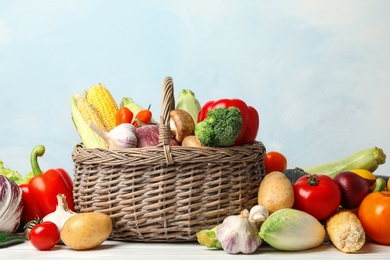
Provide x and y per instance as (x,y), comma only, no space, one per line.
(191,140)
(86,230)
(275,192)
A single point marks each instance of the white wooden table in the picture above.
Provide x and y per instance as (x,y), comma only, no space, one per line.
(159,251)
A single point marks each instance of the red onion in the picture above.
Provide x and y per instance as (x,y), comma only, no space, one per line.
(11,205)
(353,188)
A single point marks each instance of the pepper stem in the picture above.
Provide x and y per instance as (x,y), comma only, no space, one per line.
(38,150)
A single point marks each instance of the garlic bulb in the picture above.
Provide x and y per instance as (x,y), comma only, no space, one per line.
(238,234)
(61,214)
(121,136)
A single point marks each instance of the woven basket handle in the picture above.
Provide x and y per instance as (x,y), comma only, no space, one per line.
(168,104)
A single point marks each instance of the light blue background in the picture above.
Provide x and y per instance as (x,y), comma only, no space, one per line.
(317,71)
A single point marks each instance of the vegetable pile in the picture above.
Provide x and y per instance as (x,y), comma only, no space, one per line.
(334,200)
(102,123)
(297,208)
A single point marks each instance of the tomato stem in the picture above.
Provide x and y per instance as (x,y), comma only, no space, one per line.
(313,179)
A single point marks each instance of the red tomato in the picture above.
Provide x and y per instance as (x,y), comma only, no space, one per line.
(274,161)
(374,214)
(44,236)
(124,115)
(318,195)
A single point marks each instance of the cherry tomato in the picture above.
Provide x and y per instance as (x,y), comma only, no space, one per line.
(124,115)
(44,236)
(274,161)
(318,195)
(374,214)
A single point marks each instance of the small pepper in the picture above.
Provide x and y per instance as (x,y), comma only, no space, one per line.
(8,239)
(123,115)
(40,193)
(143,117)
(250,118)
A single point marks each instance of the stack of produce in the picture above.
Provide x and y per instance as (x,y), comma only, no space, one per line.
(101,123)
(341,200)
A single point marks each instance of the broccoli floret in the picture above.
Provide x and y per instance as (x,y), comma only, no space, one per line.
(220,128)
(294,174)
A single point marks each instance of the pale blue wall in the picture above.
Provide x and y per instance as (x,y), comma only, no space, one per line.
(317,71)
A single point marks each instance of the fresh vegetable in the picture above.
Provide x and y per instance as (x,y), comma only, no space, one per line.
(11,205)
(294,174)
(208,238)
(345,231)
(143,117)
(388,184)
(238,234)
(10,174)
(82,114)
(274,161)
(188,102)
(191,141)
(44,236)
(103,102)
(40,193)
(220,128)
(368,159)
(353,189)
(148,135)
(292,230)
(86,230)
(380,185)
(61,214)
(134,107)
(121,136)
(250,118)
(364,173)
(181,124)
(124,115)
(258,214)
(374,214)
(9,239)
(275,192)
(318,195)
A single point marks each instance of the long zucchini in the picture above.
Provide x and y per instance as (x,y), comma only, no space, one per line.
(368,159)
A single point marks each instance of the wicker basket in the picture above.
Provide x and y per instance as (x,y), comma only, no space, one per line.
(166,193)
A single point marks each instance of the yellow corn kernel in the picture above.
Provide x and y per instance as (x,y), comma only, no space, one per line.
(103,102)
(345,231)
(90,115)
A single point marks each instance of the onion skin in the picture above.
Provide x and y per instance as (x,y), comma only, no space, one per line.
(353,189)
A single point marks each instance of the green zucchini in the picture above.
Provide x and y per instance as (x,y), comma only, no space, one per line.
(368,159)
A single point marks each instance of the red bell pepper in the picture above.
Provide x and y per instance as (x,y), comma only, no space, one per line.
(40,193)
(249,114)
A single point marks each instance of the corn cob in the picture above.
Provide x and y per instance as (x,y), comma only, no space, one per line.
(82,114)
(345,231)
(103,102)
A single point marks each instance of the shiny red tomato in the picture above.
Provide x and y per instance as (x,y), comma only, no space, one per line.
(374,214)
(44,236)
(318,195)
(124,115)
(274,161)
